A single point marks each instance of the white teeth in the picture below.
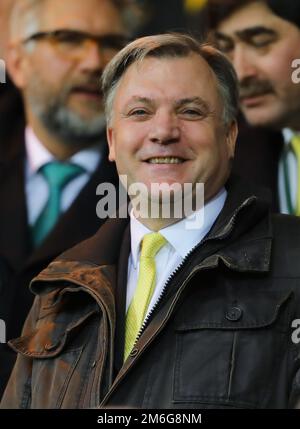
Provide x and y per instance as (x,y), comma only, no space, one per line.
(166,160)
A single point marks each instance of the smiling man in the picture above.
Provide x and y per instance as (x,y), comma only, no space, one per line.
(148,313)
(262,39)
(177,135)
(52,165)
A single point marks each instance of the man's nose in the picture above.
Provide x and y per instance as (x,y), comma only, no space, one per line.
(244,63)
(93,57)
(165,128)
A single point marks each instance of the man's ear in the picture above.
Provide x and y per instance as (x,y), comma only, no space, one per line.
(231,137)
(16,63)
(111,143)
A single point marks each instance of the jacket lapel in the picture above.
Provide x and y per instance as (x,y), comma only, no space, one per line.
(14,237)
(120,296)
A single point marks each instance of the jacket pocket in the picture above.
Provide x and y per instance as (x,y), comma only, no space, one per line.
(231,354)
(52,377)
(59,365)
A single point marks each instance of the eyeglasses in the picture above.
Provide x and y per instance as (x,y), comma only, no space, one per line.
(73,42)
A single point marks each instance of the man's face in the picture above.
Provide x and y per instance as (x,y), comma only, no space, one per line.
(167,126)
(60,79)
(262,47)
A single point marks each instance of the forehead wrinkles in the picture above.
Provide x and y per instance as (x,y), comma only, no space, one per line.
(151,70)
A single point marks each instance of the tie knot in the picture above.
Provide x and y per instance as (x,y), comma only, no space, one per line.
(295,143)
(58,174)
(151,244)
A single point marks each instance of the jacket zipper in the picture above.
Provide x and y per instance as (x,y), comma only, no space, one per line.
(221,236)
(172,275)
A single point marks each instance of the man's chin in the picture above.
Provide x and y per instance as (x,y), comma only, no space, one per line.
(85,118)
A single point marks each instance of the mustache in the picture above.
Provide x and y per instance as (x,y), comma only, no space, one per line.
(252,88)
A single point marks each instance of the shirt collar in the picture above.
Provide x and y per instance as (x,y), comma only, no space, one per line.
(38,155)
(178,235)
(288,134)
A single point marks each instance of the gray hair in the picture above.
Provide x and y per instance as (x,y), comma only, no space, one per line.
(172,45)
(25,16)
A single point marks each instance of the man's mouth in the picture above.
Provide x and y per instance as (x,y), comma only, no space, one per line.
(165,160)
(88,91)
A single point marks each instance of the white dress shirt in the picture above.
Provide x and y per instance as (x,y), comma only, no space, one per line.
(180,242)
(292,170)
(36,186)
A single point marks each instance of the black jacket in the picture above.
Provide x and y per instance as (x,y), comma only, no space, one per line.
(257,156)
(222,336)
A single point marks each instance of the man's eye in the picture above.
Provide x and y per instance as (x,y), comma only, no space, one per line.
(262,41)
(223,45)
(69,38)
(138,112)
(192,113)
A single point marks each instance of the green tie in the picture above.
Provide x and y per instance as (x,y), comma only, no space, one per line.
(295,143)
(57,175)
(151,244)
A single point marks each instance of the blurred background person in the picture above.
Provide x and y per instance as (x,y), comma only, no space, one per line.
(51,168)
(262,38)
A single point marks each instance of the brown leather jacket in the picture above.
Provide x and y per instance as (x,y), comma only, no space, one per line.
(222,336)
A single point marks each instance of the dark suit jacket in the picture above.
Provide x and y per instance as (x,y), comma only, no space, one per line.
(78,223)
(257,157)
(11,111)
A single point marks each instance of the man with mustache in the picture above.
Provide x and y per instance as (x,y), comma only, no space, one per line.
(49,172)
(262,39)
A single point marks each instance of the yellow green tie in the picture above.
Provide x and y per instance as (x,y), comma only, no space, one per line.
(151,244)
(295,143)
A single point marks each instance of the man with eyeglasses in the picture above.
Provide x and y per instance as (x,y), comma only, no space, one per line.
(50,172)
